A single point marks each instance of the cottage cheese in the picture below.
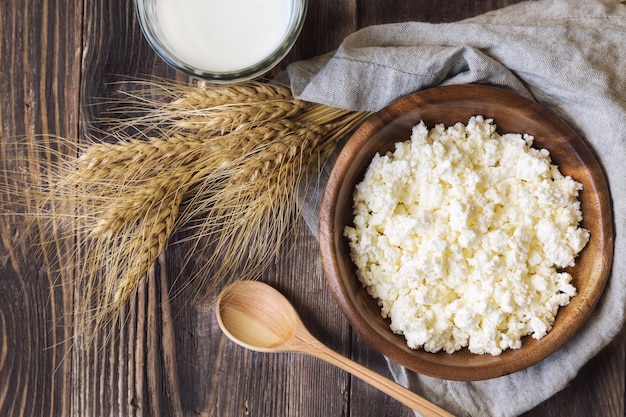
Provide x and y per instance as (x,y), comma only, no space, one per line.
(461,235)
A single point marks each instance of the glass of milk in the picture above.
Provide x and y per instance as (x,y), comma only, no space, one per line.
(222,40)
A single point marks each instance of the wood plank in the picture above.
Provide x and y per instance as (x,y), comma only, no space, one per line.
(130,368)
(327,24)
(39,67)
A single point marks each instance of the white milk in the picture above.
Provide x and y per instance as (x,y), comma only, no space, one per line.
(223,35)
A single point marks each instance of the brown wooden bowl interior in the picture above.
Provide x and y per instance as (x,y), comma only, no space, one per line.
(448,105)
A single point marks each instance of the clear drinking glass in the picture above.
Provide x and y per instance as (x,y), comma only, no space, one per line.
(185,54)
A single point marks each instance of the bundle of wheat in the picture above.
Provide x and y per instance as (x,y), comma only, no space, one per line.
(221,166)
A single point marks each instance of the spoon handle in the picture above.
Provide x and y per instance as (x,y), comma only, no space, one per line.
(394,390)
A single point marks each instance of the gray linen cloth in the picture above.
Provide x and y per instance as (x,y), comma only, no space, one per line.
(567,55)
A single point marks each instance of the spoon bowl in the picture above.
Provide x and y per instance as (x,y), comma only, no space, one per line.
(258,317)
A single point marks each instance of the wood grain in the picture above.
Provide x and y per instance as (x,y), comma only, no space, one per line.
(58,59)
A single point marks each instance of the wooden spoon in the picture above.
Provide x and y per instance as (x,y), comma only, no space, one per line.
(258,317)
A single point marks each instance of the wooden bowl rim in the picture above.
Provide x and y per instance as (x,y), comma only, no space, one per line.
(469,367)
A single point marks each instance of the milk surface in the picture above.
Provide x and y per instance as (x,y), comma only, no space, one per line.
(223,35)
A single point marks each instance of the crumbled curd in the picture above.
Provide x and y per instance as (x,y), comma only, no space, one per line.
(461,234)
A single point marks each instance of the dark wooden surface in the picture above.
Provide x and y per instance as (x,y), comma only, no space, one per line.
(169,358)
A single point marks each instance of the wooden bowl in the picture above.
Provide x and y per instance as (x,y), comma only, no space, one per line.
(512,114)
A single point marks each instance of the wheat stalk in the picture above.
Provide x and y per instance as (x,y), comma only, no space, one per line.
(214,110)
(230,118)
(230,94)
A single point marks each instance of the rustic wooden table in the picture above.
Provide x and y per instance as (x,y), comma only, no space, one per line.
(169,358)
